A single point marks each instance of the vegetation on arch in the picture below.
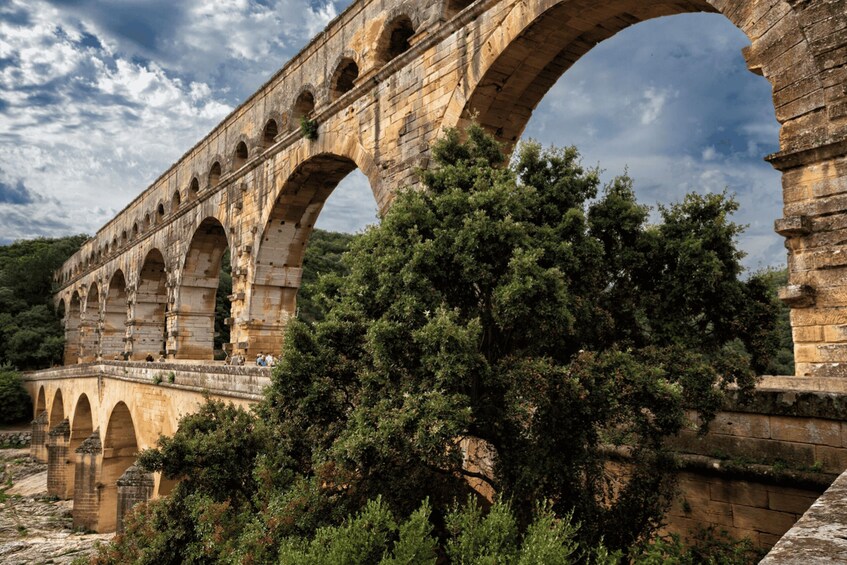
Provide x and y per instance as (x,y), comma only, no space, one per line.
(520,311)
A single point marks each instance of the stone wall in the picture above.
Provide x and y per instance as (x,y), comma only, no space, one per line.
(764,461)
(819,535)
(15,439)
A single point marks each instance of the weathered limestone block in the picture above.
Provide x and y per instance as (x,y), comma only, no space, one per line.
(135,486)
(57,457)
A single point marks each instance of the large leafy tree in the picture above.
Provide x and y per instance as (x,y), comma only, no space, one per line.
(508,326)
(526,310)
(31,335)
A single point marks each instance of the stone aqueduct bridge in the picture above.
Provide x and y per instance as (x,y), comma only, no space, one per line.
(381,82)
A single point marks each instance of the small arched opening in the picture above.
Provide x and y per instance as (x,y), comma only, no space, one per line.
(215,174)
(344,78)
(269,133)
(395,38)
(176,200)
(453,7)
(241,156)
(193,188)
(40,402)
(57,410)
(304,107)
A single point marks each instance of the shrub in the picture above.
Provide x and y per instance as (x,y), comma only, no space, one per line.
(15,402)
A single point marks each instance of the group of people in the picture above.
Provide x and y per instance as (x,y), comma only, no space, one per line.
(262,360)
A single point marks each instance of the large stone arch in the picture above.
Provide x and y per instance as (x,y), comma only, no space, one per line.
(113,333)
(192,327)
(40,421)
(57,409)
(278,261)
(120,446)
(538,41)
(81,428)
(90,326)
(40,402)
(147,325)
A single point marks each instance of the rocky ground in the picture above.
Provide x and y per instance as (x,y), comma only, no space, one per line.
(35,529)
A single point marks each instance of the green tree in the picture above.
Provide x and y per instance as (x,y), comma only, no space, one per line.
(519,311)
(31,335)
(520,306)
(15,402)
(223,305)
(322,259)
(782,362)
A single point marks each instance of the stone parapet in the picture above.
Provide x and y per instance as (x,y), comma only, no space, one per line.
(245,382)
(819,535)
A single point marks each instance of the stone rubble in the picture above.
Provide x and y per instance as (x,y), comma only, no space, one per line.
(35,528)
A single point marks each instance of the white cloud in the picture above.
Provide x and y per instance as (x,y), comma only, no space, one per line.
(86,130)
(710,153)
(654,103)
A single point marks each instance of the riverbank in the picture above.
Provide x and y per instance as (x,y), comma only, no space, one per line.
(35,528)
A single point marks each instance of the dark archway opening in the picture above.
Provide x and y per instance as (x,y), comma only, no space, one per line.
(304,107)
(269,133)
(395,39)
(453,7)
(57,410)
(74,317)
(215,174)
(344,78)
(240,157)
(90,330)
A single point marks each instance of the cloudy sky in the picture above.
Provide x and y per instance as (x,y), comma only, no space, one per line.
(99,97)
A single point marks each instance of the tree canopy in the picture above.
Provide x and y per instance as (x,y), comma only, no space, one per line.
(506,327)
(31,335)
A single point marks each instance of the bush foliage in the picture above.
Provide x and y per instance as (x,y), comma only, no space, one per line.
(15,402)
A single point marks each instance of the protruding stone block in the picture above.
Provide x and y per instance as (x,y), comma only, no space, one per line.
(797,295)
(135,486)
(793,226)
(57,457)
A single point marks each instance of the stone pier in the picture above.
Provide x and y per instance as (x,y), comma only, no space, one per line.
(38,446)
(87,483)
(134,487)
(57,458)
